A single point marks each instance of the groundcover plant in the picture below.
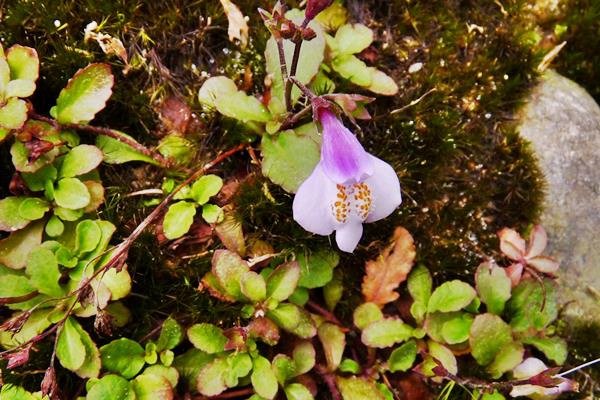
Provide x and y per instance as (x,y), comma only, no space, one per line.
(229,259)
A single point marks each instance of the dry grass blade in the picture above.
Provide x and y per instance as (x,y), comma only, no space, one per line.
(238,28)
(390,269)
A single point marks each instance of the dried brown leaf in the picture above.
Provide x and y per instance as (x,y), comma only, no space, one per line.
(238,28)
(389,270)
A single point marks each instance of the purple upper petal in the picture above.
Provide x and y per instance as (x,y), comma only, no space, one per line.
(343,157)
(312,203)
(385,190)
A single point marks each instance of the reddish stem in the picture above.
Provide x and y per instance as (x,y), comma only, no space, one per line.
(329,380)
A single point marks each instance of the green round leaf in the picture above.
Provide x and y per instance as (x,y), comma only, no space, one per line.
(205,187)
(297,391)
(353,69)
(13,114)
(212,214)
(493,286)
(304,355)
(15,248)
(71,193)
(10,218)
(80,160)
(451,296)
(178,219)
(263,378)
(334,342)
(365,314)
(211,378)
(355,388)
(171,334)
(353,38)
(385,333)
(36,181)
(456,330)
(177,148)
(69,347)
(33,208)
(293,319)
(87,236)
(228,268)
(207,337)
(86,93)
(123,356)
(403,358)
(214,87)
(316,269)
(281,163)
(168,373)
(42,268)
(507,358)
(554,348)
(111,387)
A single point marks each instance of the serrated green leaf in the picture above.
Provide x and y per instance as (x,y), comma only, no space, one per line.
(176,148)
(42,268)
(152,387)
(506,359)
(80,160)
(532,306)
(443,355)
(207,337)
(488,334)
(71,193)
(554,348)
(91,364)
(111,387)
(281,163)
(34,325)
(420,284)
(385,333)
(70,350)
(14,283)
(316,269)
(333,291)
(333,341)
(13,114)
(10,391)
(117,282)
(117,152)
(350,366)
(263,378)
(493,286)
(403,358)
(123,356)
(178,219)
(365,314)
(451,296)
(169,373)
(293,319)
(15,249)
(85,95)
(205,187)
(228,268)
(353,38)
(190,363)
(354,388)
(282,282)
(211,378)
(253,286)
(20,88)
(23,62)
(171,334)
(283,368)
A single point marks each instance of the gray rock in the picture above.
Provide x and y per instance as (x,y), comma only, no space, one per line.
(562,122)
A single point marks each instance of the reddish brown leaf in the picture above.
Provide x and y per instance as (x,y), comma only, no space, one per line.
(175,115)
(391,268)
(37,148)
(264,329)
(18,358)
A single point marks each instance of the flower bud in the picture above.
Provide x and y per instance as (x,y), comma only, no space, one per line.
(314,7)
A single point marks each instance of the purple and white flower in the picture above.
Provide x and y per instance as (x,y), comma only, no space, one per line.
(347,187)
(531,368)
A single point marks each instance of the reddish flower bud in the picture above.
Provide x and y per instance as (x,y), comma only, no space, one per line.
(314,7)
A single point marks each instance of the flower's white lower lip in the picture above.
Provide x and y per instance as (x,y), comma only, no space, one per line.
(352,201)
